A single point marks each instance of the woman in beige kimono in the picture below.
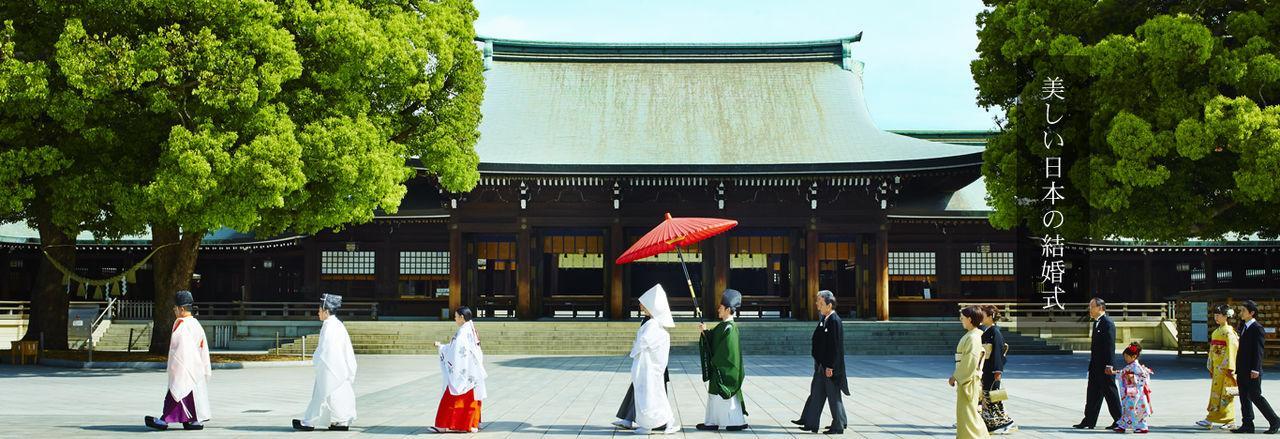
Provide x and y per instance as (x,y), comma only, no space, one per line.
(967,378)
(1222,364)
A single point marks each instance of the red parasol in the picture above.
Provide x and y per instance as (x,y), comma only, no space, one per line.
(673,234)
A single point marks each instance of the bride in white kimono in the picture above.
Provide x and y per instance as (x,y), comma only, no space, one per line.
(649,357)
(333,400)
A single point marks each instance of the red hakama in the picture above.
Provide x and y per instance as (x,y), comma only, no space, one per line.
(458,412)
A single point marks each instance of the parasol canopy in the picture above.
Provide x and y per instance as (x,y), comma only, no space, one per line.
(672,233)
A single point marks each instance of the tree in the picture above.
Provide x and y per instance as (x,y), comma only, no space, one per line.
(1170,124)
(57,164)
(269,116)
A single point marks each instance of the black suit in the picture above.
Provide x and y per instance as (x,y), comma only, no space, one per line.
(1249,358)
(1102,353)
(828,353)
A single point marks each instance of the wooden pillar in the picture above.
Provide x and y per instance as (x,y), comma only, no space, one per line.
(312,268)
(720,265)
(524,309)
(1147,289)
(457,267)
(617,308)
(246,279)
(1266,267)
(1210,273)
(812,274)
(882,272)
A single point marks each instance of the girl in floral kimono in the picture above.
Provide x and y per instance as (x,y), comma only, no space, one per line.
(1135,392)
(1222,364)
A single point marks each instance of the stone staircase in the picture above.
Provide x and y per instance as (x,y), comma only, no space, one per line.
(116,337)
(615,338)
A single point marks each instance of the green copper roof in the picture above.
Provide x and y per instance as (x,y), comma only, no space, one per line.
(600,104)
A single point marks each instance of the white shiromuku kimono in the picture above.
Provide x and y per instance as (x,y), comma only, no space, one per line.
(462,363)
(333,400)
(188,367)
(649,357)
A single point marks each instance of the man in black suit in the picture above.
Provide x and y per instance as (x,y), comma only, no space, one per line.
(1102,353)
(828,370)
(1249,371)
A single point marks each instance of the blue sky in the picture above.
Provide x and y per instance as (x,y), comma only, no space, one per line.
(917,52)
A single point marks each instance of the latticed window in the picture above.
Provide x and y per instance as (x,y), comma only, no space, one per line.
(343,262)
(424,262)
(912,264)
(986,264)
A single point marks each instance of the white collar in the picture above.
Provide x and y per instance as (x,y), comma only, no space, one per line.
(1250,322)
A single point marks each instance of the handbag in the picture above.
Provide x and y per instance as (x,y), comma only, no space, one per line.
(998,395)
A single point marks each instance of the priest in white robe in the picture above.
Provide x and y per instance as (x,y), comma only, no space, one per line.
(462,364)
(649,357)
(333,400)
(187,401)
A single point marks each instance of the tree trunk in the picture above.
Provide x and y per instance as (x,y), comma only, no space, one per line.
(50,299)
(173,266)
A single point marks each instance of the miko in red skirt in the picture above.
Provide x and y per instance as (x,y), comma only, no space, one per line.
(462,364)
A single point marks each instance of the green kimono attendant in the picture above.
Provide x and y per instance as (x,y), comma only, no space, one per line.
(722,369)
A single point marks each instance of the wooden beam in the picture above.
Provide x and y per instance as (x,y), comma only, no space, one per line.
(617,309)
(523,271)
(1147,288)
(457,268)
(720,263)
(812,273)
(882,272)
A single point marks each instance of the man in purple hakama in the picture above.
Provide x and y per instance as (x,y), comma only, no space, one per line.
(187,400)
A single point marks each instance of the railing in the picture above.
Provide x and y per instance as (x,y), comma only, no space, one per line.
(490,306)
(107,313)
(134,310)
(1078,311)
(281,310)
(574,306)
(15,309)
(775,307)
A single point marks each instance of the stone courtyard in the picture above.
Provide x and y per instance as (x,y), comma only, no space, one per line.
(573,396)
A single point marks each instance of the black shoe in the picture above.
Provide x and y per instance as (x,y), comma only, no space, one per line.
(705,427)
(1272,430)
(1112,426)
(1244,429)
(830,431)
(798,422)
(336,427)
(737,427)
(192,426)
(1082,426)
(297,425)
(151,422)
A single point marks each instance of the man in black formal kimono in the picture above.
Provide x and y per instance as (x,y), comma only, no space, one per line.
(828,370)
(1102,353)
(1249,371)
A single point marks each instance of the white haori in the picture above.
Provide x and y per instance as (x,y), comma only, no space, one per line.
(462,363)
(649,355)
(333,399)
(188,366)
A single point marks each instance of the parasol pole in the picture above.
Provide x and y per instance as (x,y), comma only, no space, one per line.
(689,281)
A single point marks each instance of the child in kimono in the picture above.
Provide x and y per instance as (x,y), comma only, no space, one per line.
(1135,393)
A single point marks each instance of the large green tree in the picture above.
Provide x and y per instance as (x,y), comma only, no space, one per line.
(1170,124)
(265,116)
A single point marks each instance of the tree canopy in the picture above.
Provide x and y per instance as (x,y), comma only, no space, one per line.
(261,116)
(1170,127)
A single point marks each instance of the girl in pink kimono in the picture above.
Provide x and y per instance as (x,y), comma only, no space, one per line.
(1135,392)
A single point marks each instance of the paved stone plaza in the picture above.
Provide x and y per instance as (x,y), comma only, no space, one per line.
(577,396)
